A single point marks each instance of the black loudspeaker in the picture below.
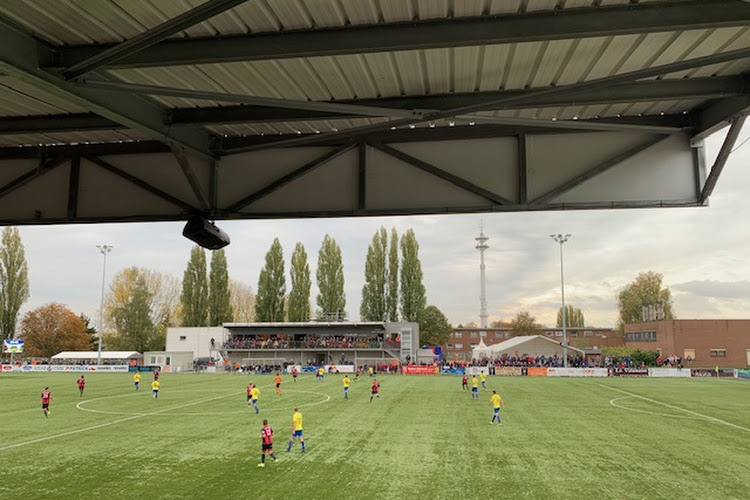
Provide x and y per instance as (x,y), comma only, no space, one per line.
(204,233)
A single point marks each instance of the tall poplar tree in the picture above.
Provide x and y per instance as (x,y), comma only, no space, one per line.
(573,317)
(14,280)
(219,300)
(413,299)
(299,297)
(392,288)
(374,305)
(194,296)
(269,302)
(330,275)
(132,319)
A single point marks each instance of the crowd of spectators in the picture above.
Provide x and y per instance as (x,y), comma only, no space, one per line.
(525,360)
(307,342)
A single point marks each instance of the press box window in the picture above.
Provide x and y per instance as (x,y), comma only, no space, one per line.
(718,353)
(183,337)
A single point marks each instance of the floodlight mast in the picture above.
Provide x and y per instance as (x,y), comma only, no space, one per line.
(104,250)
(561,239)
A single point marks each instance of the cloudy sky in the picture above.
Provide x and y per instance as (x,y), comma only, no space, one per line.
(700,251)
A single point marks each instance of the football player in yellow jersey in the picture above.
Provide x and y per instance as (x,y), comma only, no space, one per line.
(483,379)
(137,379)
(474,387)
(155,388)
(496,402)
(346,383)
(296,430)
(254,393)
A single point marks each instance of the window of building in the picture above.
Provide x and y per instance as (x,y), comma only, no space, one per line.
(183,337)
(483,334)
(558,334)
(459,346)
(474,345)
(458,335)
(588,333)
(450,346)
(640,337)
(718,353)
(473,335)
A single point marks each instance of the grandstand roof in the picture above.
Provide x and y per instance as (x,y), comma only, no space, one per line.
(95,355)
(248,109)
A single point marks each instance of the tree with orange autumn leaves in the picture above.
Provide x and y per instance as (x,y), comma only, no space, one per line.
(52,328)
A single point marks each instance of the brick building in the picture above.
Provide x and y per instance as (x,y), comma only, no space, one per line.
(706,342)
(463,340)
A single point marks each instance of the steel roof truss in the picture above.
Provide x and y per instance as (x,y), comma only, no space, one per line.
(187,207)
(546,25)
(45,166)
(150,37)
(593,172)
(442,174)
(721,159)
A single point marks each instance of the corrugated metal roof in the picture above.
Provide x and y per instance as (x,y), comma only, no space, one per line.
(435,71)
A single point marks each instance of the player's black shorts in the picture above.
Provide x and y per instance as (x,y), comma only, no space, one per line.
(278,385)
(267,447)
(374,392)
(45,406)
(249,397)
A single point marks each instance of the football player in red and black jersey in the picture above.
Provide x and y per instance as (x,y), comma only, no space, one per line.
(266,436)
(46,399)
(81,385)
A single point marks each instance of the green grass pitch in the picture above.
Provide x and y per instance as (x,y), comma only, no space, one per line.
(561,439)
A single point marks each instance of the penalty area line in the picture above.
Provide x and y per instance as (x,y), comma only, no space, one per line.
(691,412)
(113,422)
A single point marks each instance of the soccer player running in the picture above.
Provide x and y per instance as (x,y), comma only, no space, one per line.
(277,380)
(465,382)
(294,373)
(249,393)
(483,379)
(81,385)
(266,436)
(375,392)
(496,402)
(474,387)
(155,389)
(296,430)
(46,400)
(346,383)
(254,393)
(137,379)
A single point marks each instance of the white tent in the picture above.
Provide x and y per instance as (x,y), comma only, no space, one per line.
(481,351)
(530,345)
(91,355)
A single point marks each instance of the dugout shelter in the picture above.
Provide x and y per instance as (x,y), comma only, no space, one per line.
(232,109)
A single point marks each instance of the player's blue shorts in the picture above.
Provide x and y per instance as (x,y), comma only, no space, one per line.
(297,433)
(253,401)
(475,389)
(497,410)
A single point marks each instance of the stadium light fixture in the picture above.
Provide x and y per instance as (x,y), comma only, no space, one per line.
(104,250)
(561,239)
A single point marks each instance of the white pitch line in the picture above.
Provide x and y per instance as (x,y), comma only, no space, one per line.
(106,424)
(701,415)
(660,414)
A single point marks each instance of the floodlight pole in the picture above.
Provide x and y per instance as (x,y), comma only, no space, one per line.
(559,238)
(104,249)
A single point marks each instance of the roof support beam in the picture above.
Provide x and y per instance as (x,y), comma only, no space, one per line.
(566,90)
(187,207)
(718,114)
(647,91)
(283,181)
(721,159)
(73,182)
(485,30)
(593,172)
(21,57)
(44,167)
(192,179)
(442,174)
(148,38)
